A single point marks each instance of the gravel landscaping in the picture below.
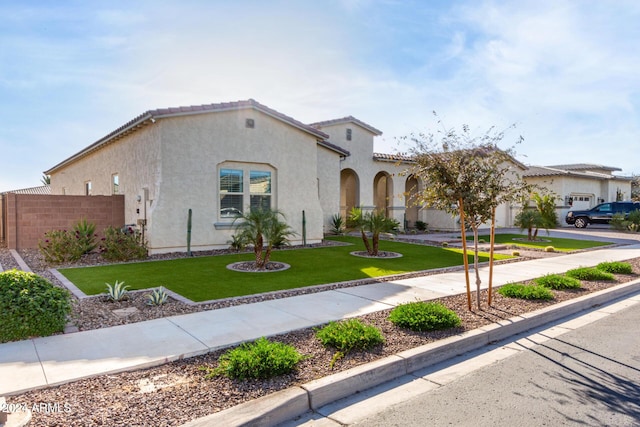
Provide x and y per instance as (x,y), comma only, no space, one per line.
(174,393)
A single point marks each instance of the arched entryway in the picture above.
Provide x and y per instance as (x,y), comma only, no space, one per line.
(411,207)
(382,192)
(349,191)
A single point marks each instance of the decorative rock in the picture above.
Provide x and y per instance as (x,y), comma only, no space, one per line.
(124,312)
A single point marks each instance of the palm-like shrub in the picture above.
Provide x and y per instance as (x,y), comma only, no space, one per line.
(375,222)
(263,229)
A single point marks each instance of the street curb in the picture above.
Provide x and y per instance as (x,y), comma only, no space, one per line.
(290,403)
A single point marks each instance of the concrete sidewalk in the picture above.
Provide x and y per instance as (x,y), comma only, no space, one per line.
(43,362)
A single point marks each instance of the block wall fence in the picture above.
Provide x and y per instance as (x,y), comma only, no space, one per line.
(25,218)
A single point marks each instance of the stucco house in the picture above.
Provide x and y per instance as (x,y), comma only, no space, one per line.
(580,186)
(215,159)
(221,159)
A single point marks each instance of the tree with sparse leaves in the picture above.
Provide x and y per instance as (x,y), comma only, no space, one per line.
(467,176)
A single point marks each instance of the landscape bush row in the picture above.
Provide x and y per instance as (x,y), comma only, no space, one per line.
(541,287)
(63,246)
(263,359)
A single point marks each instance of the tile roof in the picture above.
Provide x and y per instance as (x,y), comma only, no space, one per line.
(542,171)
(584,167)
(348,119)
(393,157)
(150,116)
(43,189)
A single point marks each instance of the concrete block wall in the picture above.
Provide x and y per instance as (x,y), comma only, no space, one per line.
(30,216)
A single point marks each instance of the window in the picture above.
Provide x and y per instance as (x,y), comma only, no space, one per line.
(249,123)
(231,192)
(260,190)
(244,186)
(348,134)
(115,184)
(87,188)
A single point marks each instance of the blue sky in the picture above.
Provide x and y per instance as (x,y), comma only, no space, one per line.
(566,73)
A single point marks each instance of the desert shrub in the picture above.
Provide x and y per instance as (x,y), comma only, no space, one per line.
(424,316)
(157,297)
(549,249)
(421,225)
(30,306)
(589,273)
(557,281)
(518,290)
(236,243)
(60,246)
(122,244)
(348,335)
(257,360)
(85,235)
(619,222)
(117,291)
(615,267)
(337,224)
(515,253)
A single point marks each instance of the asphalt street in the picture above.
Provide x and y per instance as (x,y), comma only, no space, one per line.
(588,377)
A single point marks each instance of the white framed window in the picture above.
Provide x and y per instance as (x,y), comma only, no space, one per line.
(243,186)
(115,184)
(87,188)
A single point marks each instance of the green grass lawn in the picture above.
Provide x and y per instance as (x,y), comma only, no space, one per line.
(207,278)
(559,244)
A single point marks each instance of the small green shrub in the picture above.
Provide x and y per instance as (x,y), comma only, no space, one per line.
(157,297)
(549,249)
(122,244)
(515,253)
(615,267)
(337,224)
(518,290)
(421,225)
(424,316)
(260,359)
(445,244)
(30,306)
(117,291)
(348,335)
(84,233)
(557,281)
(61,246)
(237,243)
(618,222)
(589,273)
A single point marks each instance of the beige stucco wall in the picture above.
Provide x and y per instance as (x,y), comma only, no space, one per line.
(361,161)
(177,159)
(329,185)
(194,147)
(136,160)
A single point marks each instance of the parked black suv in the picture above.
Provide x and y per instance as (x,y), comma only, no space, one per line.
(601,214)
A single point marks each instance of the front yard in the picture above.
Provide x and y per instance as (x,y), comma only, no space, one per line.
(207,278)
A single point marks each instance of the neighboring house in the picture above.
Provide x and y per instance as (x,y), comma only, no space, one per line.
(580,186)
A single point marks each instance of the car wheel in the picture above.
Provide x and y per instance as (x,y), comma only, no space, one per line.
(580,223)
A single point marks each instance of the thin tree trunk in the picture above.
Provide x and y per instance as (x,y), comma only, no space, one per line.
(475,264)
(491,247)
(365,239)
(464,254)
(376,244)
